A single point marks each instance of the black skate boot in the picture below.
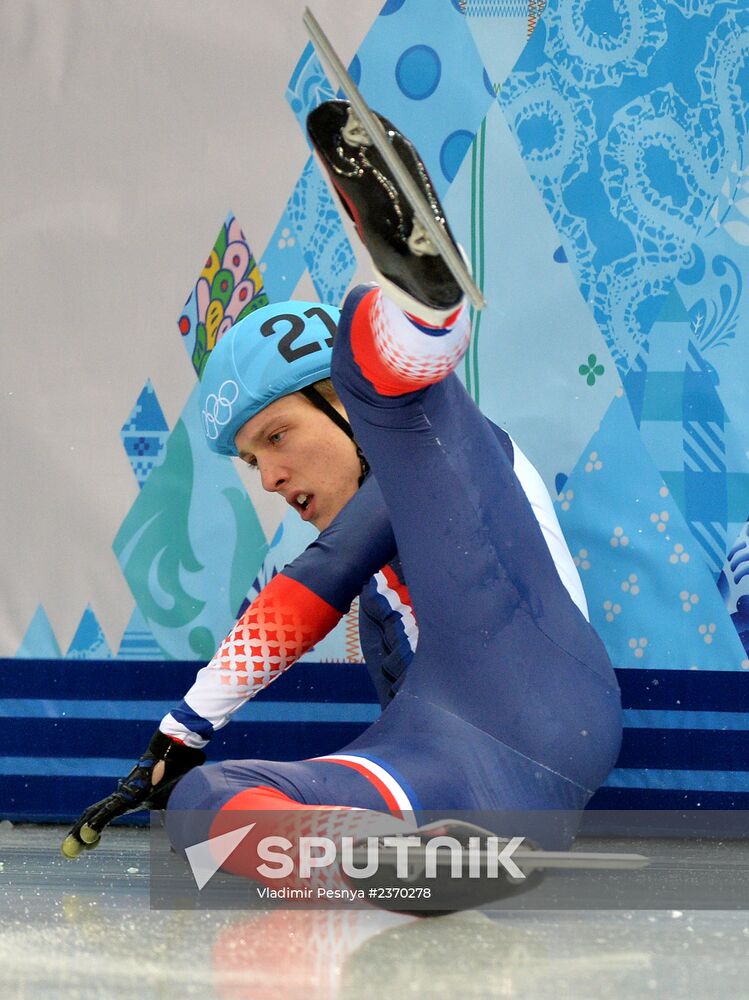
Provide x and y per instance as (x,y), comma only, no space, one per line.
(472,878)
(478,868)
(406,263)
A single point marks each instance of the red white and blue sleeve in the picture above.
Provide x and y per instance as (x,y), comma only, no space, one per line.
(299,606)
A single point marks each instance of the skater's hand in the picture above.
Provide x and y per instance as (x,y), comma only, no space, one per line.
(147,786)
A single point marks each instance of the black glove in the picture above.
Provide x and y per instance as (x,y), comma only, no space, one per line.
(136,791)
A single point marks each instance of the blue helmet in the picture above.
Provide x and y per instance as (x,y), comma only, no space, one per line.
(276,350)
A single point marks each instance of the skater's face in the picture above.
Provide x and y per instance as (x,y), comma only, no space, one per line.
(302,455)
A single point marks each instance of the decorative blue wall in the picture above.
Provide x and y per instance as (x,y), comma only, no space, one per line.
(594,162)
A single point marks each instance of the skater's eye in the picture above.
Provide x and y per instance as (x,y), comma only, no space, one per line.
(251,463)
(276,438)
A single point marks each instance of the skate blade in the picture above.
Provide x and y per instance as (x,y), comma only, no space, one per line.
(583,860)
(528,859)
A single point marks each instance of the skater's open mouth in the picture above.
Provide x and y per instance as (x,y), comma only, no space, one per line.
(302,502)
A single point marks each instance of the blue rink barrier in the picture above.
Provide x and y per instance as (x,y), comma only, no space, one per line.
(70,728)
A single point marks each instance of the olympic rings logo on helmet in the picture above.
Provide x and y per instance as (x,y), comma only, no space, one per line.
(219,408)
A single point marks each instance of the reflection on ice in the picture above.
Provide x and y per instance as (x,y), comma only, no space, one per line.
(84,930)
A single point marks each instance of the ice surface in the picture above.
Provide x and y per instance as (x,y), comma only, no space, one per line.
(83,929)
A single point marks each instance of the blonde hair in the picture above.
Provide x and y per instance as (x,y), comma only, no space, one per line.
(327,390)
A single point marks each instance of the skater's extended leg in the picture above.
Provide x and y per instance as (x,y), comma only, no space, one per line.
(501,643)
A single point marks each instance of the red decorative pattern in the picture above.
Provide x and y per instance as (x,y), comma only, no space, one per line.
(397,357)
(283,622)
(353,646)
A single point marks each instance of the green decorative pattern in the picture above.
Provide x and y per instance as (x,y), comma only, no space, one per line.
(153,545)
(592,370)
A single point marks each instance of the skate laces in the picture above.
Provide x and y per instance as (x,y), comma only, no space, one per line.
(419,243)
(354,133)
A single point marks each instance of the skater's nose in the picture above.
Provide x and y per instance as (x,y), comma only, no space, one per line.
(273,475)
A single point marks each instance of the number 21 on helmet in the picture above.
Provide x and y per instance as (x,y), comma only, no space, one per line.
(276,350)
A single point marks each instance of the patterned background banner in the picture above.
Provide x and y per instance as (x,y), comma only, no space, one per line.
(593,161)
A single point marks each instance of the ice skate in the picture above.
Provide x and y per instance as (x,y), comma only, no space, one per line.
(472,867)
(406,262)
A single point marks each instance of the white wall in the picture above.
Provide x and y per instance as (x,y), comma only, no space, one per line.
(128,130)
